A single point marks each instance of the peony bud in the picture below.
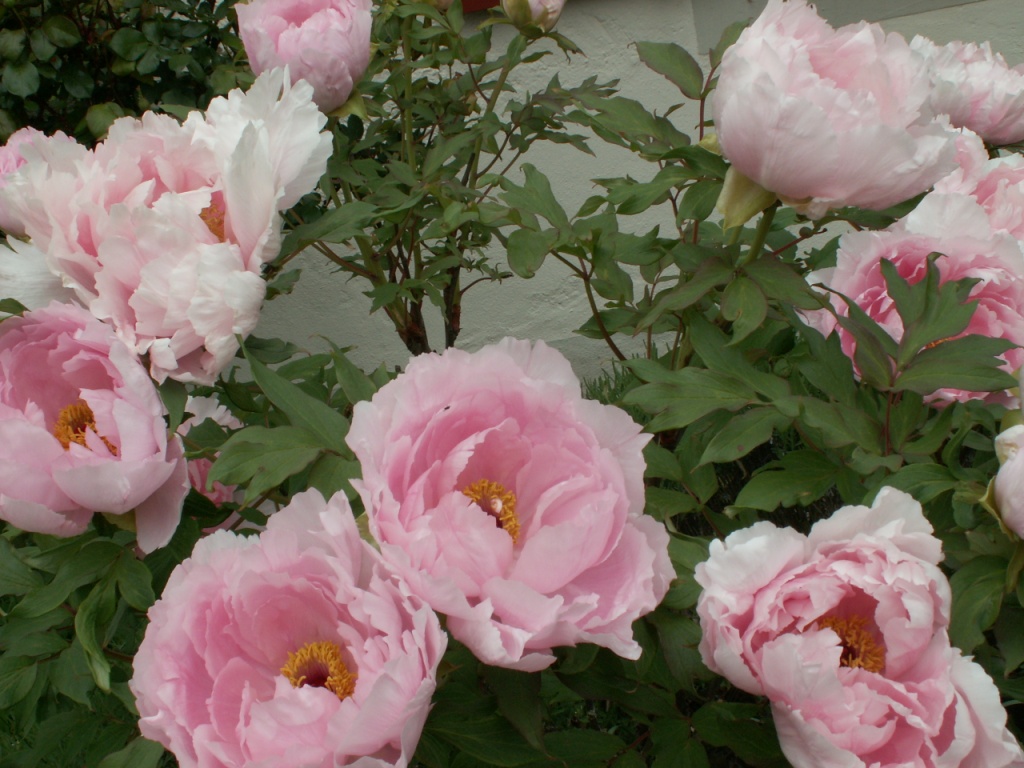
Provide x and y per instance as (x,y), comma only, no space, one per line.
(536,13)
(324,42)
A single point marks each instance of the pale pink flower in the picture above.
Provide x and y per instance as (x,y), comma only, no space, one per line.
(997,184)
(293,649)
(976,88)
(203,408)
(324,42)
(845,632)
(1009,482)
(826,118)
(959,228)
(510,503)
(163,229)
(538,13)
(11,159)
(82,430)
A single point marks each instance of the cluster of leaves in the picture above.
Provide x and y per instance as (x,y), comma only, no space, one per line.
(411,186)
(76,67)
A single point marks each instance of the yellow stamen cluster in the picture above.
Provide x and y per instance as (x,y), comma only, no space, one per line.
(497,501)
(213,216)
(72,424)
(860,649)
(321,666)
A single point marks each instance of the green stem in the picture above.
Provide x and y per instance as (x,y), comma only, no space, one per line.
(760,235)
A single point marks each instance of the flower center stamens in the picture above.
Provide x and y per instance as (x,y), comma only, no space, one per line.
(73,422)
(321,666)
(213,216)
(860,649)
(497,501)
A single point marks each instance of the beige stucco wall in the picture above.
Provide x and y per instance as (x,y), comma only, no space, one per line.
(550,306)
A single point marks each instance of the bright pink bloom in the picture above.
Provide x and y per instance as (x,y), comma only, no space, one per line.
(324,42)
(203,408)
(827,118)
(82,430)
(512,504)
(957,227)
(1009,483)
(293,649)
(976,88)
(845,632)
(163,229)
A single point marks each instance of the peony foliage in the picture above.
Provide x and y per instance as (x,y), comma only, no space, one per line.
(783,527)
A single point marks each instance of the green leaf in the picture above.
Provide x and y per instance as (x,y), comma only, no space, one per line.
(743,728)
(302,410)
(174,395)
(85,566)
(91,620)
(674,63)
(336,226)
(584,748)
(70,674)
(356,385)
(699,200)
(693,393)
(711,274)
(331,474)
(743,434)
(536,197)
(129,43)
(12,43)
(744,306)
(17,675)
(977,597)
(16,578)
(519,700)
(20,79)
(967,363)
(463,720)
(134,582)
(526,250)
(1009,637)
(717,354)
(781,282)
(729,36)
(62,31)
(923,481)
(99,117)
(140,753)
(800,477)
(264,457)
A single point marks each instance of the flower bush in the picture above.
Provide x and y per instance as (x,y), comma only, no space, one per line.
(782,528)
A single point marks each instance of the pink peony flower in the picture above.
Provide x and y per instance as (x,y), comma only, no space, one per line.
(11,159)
(324,42)
(826,118)
(295,648)
(82,430)
(203,408)
(162,230)
(956,226)
(538,13)
(845,632)
(510,503)
(976,88)
(1009,482)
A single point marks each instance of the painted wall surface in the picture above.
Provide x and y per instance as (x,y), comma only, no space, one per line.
(550,306)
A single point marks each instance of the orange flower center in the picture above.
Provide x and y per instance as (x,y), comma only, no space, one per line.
(860,649)
(320,665)
(213,216)
(72,424)
(497,501)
